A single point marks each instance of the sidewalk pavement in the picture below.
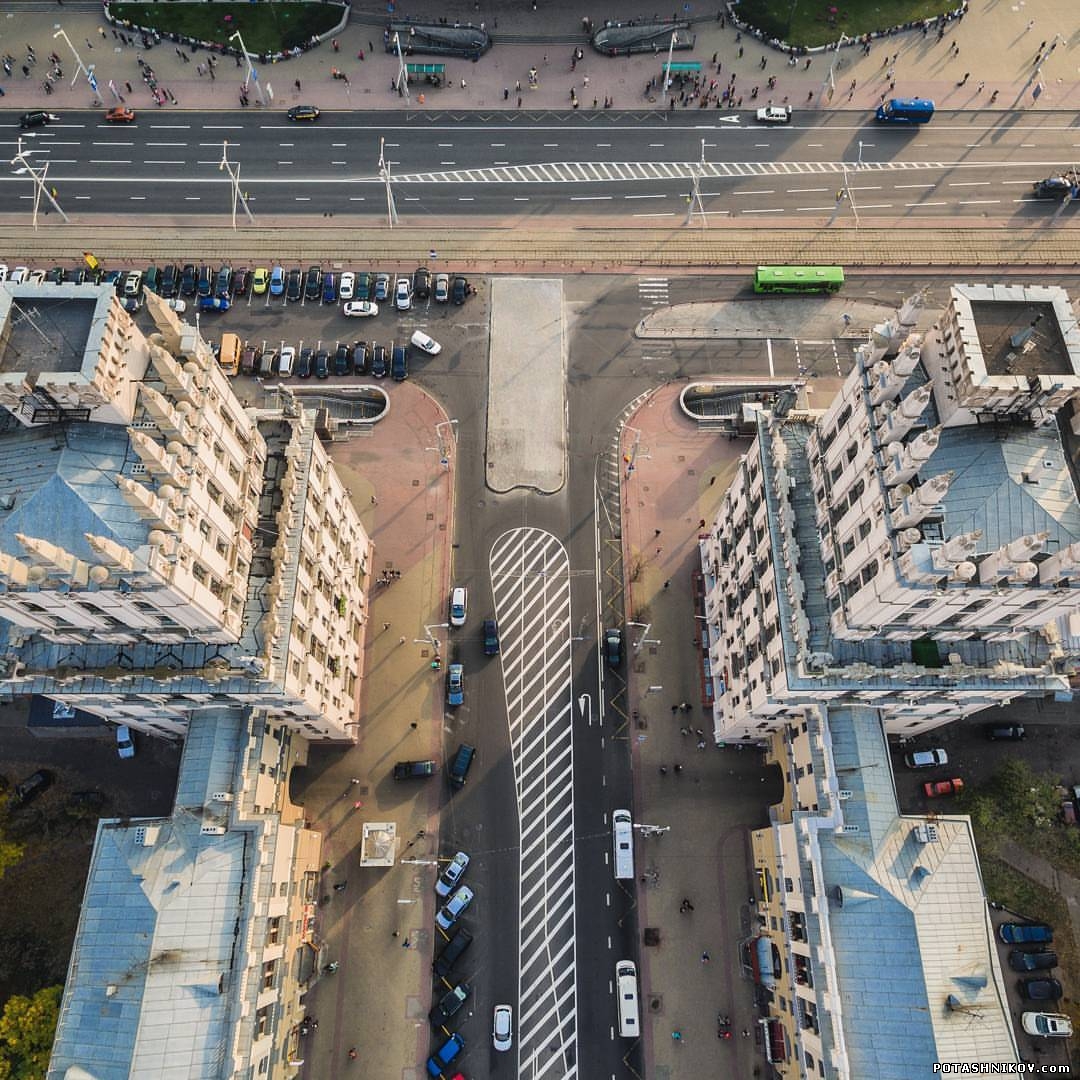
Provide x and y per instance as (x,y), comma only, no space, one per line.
(996,51)
(382,924)
(694,973)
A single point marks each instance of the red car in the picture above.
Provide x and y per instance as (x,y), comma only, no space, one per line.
(120,115)
(943,787)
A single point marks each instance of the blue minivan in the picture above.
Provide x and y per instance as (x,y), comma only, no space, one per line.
(329,288)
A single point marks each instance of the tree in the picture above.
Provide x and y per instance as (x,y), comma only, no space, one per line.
(27,1028)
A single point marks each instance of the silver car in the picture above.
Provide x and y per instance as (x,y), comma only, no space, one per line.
(452,874)
(403,294)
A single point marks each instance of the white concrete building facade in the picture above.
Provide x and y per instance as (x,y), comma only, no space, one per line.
(915,546)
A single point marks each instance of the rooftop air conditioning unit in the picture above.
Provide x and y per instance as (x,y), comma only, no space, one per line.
(146,835)
(926,834)
(212,830)
(223,796)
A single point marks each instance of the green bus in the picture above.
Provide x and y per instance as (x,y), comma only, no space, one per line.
(798,279)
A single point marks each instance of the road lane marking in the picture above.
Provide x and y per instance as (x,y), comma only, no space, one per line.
(151,161)
(776,211)
(804,190)
(111,143)
(644,196)
(903,187)
(105,161)
(970,183)
(813,209)
(165,144)
(591,198)
(978,202)
(875,206)
(942,203)
(769,192)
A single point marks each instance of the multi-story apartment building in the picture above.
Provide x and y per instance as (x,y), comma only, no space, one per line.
(874,953)
(197,937)
(916,546)
(163,549)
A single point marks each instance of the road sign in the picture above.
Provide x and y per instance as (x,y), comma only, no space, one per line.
(91,78)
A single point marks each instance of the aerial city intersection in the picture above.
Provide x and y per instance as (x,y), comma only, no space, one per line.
(539,546)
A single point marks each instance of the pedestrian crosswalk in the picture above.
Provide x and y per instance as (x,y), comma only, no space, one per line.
(530,579)
(653,292)
(606,172)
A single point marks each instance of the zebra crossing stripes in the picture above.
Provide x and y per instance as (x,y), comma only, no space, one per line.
(592,172)
(530,579)
(653,292)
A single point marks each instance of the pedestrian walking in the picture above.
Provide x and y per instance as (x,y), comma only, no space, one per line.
(678,769)
(746,1033)
(128,85)
(666,584)
(704,957)
(352,1053)
(663,770)
(297,85)
(405,943)
(656,532)
(701,744)
(1030,24)
(585,81)
(676,1035)
(401,640)
(506,93)
(336,45)
(979,88)
(967,75)
(993,97)
(462,84)
(685,706)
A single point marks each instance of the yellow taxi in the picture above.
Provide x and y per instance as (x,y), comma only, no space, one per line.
(260,281)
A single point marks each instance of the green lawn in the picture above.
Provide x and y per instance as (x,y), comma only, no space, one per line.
(817,22)
(265,27)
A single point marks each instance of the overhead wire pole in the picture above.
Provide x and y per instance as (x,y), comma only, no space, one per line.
(40,189)
(667,66)
(252,75)
(695,192)
(384,172)
(234,179)
(849,196)
(828,85)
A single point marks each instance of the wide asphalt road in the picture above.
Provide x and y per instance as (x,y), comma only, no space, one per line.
(965,164)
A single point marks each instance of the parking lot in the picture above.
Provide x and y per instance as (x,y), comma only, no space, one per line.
(1051,747)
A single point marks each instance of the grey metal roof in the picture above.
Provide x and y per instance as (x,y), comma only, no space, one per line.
(63,484)
(989,492)
(913,927)
(153,974)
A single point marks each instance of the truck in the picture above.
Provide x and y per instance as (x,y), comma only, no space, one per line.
(905,111)
(415,770)
(1065,186)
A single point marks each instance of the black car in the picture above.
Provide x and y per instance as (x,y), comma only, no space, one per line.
(360,358)
(36,119)
(322,364)
(491,637)
(1008,732)
(421,283)
(342,359)
(303,112)
(74,276)
(313,283)
(294,285)
(448,1005)
(170,281)
(362,287)
(241,281)
(455,947)
(55,276)
(381,288)
(399,363)
(378,361)
(224,281)
(303,363)
(206,280)
(459,290)
(31,787)
(613,645)
(1039,989)
(1032,961)
(188,280)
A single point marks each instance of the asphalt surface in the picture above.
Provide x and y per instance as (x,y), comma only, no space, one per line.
(963,166)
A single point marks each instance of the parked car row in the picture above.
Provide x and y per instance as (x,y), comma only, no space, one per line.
(1037,987)
(361,291)
(340,359)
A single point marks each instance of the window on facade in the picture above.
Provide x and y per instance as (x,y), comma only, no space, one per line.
(269,974)
(273,930)
(262,1020)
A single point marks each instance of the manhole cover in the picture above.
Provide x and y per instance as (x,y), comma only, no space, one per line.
(652,935)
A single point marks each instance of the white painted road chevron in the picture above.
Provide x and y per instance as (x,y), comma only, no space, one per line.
(606,172)
(530,580)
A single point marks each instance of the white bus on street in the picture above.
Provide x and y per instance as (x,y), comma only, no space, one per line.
(622,829)
(626,988)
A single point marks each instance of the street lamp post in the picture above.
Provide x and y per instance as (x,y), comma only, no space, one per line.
(80,67)
(828,86)
(402,80)
(38,176)
(667,66)
(445,436)
(252,75)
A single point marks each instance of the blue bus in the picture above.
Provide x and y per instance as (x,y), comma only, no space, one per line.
(905,111)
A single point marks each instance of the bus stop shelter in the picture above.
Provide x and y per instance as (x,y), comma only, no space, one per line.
(435,74)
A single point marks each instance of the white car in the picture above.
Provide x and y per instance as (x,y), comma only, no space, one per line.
(774,114)
(502,1030)
(20,273)
(452,910)
(1049,1025)
(442,288)
(926,759)
(403,294)
(452,874)
(132,283)
(346,285)
(360,309)
(125,747)
(36,277)
(3,272)
(459,605)
(179,306)
(286,361)
(423,342)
